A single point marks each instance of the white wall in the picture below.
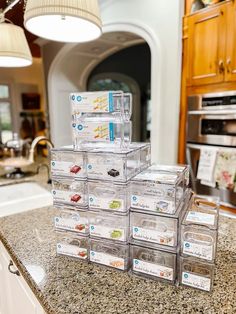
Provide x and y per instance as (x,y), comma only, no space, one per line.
(159,23)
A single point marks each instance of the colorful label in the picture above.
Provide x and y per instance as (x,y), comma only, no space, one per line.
(152,204)
(153,269)
(75,223)
(99,102)
(67,197)
(107,232)
(105,168)
(95,131)
(66,168)
(72,250)
(107,259)
(196,281)
(116,204)
(198,250)
(163,238)
(202,218)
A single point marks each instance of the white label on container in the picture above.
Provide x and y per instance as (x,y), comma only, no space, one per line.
(92,102)
(95,131)
(164,238)
(115,204)
(75,223)
(199,217)
(72,250)
(198,250)
(107,232)
(67,197)
(107,259)
(66,168)
(152,204)
(196,281)
(109,168)
(153,269)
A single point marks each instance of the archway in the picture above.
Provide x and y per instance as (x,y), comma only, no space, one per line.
(58,89)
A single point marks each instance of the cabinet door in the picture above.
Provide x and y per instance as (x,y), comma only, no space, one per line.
(207,31)
(230,73)
(17,294)
(3,284)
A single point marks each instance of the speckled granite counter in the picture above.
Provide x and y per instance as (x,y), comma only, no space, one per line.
(63,285)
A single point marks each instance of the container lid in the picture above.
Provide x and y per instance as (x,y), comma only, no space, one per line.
(154,176)
(168,168)
(67,148)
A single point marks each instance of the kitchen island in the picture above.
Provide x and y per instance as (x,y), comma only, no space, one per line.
(66,286)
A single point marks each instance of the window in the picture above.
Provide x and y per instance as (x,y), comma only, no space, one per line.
(5,114)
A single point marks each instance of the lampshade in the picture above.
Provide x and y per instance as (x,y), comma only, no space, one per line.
(14,49)
(63,20)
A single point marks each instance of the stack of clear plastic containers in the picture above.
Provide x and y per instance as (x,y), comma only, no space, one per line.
(159,199)
(101,118)
(109,173)
(198,243)
(70,198)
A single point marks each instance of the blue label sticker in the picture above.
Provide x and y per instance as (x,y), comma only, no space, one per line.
(54,192)
(186,276)
(73,97)
(111,131)
(136,261)
(92,253)
(92,227)
(57,219)
(89,167)
(135,229)
(80,127)
(53,163)
(187,245)
(79,98)
(111,105)
(134,198)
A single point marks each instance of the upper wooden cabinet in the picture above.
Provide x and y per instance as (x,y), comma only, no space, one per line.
(230,56)
(211,57)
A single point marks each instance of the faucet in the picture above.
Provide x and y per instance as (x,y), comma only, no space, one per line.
(35,143)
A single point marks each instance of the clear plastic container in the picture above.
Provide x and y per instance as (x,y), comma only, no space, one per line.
(72,220)
(113,164)
(72,244)
(68,163)
(154,230)
(93,129)
(103,102)
(70,192)
(198,241)
(153,264)
(174,169)
(109,226)
(145,155)
(110,254)
(202,211)
(107,195)
(196,274)
(154,191)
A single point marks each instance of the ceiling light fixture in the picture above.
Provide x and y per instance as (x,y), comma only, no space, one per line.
(14,49)
(63,20)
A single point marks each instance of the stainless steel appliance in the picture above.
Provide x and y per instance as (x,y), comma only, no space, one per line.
(211,122)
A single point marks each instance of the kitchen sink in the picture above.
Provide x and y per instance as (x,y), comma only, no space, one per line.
(20,197)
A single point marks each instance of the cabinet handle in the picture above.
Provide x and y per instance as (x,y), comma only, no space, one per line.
(14,272)
(228,62)
(221,67)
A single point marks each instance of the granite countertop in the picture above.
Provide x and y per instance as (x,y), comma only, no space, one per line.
(64,285)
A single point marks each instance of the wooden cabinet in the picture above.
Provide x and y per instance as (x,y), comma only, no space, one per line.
(230,56)
(15,294)
(206,42)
